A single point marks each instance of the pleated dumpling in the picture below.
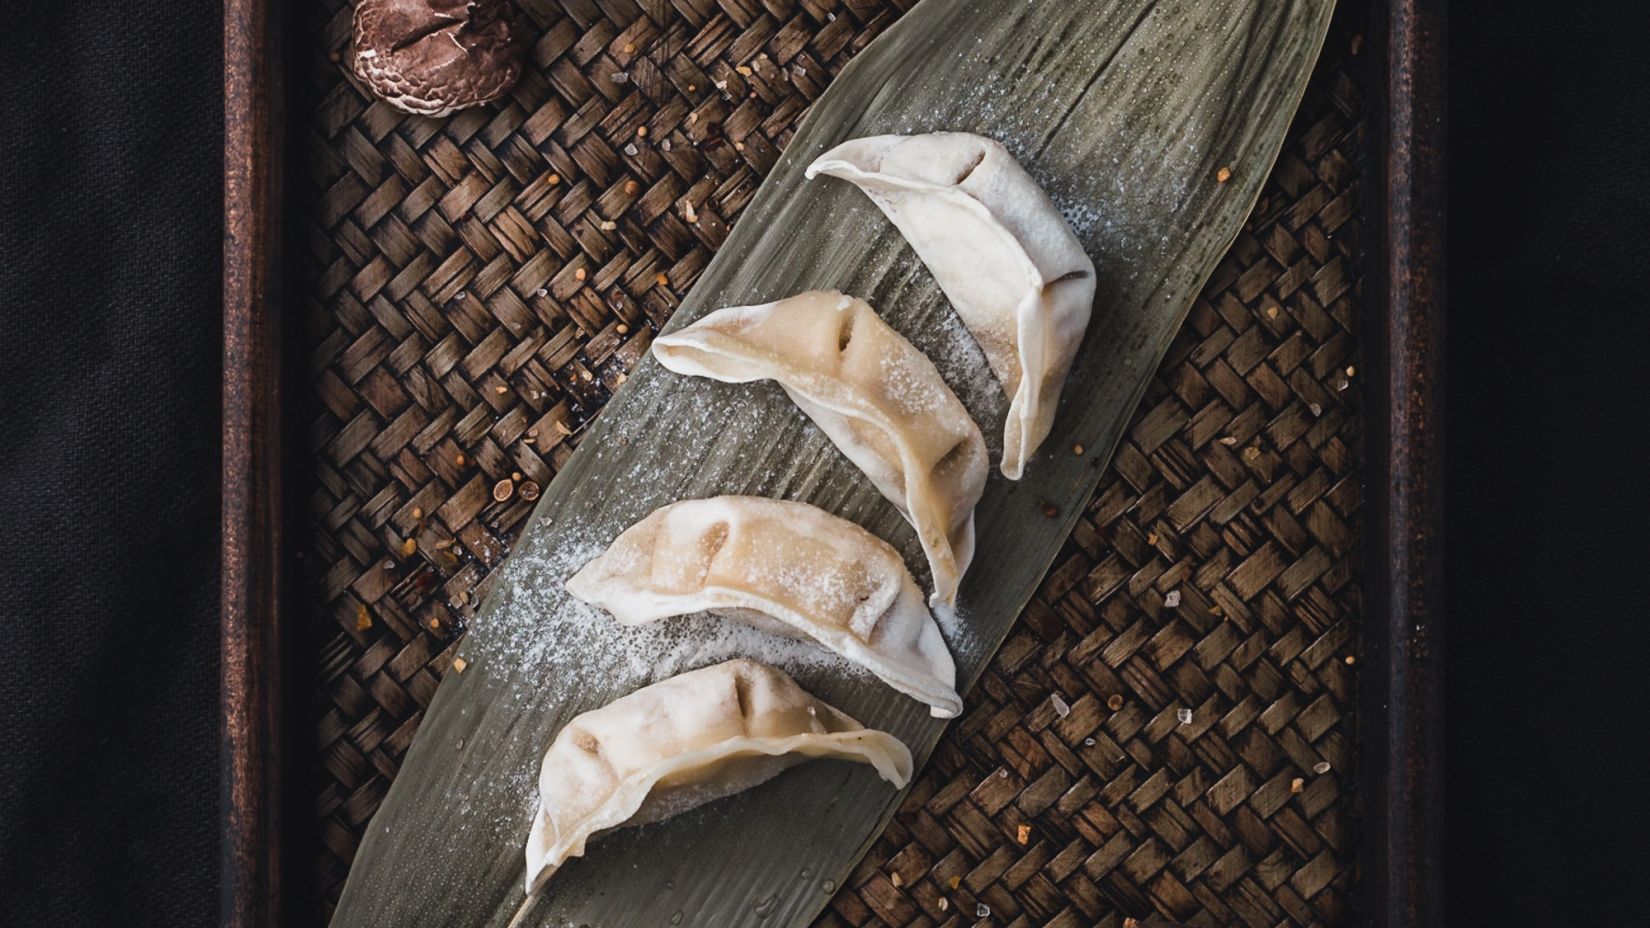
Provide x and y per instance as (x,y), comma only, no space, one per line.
(785,567)
(1000,250)
(683,742)
(881,401)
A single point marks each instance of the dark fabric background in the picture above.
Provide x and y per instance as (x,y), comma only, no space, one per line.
(110,159)
(110,153)
(1548,546)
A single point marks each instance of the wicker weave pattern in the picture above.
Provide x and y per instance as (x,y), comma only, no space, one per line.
(477,286)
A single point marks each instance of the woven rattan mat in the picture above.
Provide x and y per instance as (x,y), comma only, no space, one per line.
(475,287)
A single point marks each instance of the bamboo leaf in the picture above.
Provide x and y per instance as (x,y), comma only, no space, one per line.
(1127,111)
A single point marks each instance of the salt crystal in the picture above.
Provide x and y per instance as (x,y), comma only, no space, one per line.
(1060,707)
(630,149)
(1321,766)
(1173,599)
(981,909)
(1184,715)
(620,77)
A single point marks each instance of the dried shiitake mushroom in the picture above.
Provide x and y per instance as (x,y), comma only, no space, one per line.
(432,57)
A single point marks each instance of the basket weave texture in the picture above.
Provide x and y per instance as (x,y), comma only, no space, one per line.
(1164,733)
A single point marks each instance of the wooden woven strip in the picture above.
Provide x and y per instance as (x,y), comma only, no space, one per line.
(1167,730)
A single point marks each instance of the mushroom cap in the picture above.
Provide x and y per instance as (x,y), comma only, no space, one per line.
(431,57)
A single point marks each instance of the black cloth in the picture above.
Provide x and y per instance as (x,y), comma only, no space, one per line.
(110,153)
(110,159)
(1548,551)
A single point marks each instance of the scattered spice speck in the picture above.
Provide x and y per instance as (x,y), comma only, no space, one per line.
(661,279)
(1223,175)
(1271,312)
(631,187)
(459,664)
(955,882)
(896,879)
(609,225)
(501,390)
(459,459)
(418,512)
(1023,834)
(1251,453)
(554,179)
(1077,450)
(1350,660)
(579,274)
(363,619)
(1151,538)
(409,547)
(621,328)
(1296,785)
(1229,440)
(743,70)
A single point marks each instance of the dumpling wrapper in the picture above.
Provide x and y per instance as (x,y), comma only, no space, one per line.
(999,249)
(683,742)
(784,567)
(879,399)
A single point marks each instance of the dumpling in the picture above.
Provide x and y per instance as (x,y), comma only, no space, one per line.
(785,567)
(1000,250)
(683,742)
(881,401)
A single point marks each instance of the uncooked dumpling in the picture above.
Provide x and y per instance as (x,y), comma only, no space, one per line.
(785,567)
(881,401)
(1000,250)
(683,742)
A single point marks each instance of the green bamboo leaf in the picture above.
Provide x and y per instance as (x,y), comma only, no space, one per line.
(1153,125)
